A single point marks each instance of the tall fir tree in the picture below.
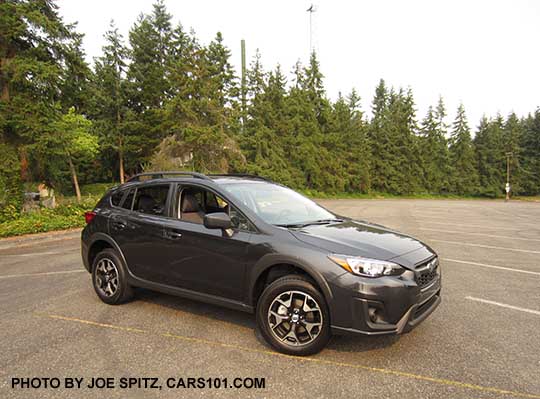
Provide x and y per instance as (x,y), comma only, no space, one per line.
(379,140)
(148,85)
(395,154)
(347,135)
(512,132)
(110,105)
(464,175)
(37,54)
(199,112)
(267,125)
(434,150)
(530,155)
(490,156)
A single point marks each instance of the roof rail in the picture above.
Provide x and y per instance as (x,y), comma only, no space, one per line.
(239,175)
(161,175)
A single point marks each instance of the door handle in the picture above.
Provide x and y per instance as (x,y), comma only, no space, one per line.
(173,235)
(119,225)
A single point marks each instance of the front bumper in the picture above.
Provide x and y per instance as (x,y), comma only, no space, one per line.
(386,305)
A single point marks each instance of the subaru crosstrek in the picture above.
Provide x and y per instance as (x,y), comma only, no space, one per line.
(247,243)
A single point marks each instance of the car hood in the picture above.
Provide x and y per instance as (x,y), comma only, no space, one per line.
(352,237)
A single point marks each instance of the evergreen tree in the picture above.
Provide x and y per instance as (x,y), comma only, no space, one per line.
(312,85)
(255,77)
(405,154)
(148,84)
(434,150)
(464,178)
(267,126)
(490,156)
(512,131)
(530,155)
(110,107)
(174,102)
(348,139)
(308,113)
(395,159)
(36,57)
(76,84)
(199,112)
(379,140)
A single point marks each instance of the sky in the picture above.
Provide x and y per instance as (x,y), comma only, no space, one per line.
(483,53)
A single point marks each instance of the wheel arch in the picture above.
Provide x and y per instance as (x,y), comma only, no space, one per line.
(99,242)
(270,269)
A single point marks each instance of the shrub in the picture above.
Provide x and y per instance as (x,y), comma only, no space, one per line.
(11,189)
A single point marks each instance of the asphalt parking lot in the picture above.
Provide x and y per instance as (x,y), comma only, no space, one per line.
(482,342)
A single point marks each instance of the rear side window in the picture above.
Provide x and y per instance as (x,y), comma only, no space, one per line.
(151,200)
(116,198)
(129,199)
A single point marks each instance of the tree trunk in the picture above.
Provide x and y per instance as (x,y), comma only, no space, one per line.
(120,144)
(75,180)
(121,159)
(4,96)
(23,156)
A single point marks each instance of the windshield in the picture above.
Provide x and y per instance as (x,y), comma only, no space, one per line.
(277,204)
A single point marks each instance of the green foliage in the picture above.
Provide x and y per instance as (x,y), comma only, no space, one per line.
(65,216)
(96,189)
(10,183)
(464,177)
(165,100)
(434,151)
(73,137)
(490,156)
(395,155)
(530,154)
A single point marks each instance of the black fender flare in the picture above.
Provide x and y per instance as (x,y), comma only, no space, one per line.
(108,239)
(271,260)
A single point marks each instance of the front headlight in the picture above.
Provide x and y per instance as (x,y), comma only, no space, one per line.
(366,267)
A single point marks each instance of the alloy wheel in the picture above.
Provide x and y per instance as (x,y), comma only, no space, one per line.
(107,277)
(295,318)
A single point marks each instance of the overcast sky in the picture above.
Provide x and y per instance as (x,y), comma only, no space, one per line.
(485,53)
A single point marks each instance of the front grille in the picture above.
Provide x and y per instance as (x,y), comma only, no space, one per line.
(425,276)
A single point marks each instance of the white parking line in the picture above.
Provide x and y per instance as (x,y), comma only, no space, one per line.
(469,225)
(41,274)
(486,246)
(503,305)
(35,254)
(491,266)
(480,234)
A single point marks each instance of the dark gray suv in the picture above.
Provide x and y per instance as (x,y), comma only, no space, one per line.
(250,244)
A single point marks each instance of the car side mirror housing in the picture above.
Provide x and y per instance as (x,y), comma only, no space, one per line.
(217,220)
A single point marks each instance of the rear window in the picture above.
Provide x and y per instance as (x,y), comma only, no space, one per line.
(116,198)
(151,200)
(129,199)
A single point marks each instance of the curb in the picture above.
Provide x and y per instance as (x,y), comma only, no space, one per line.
(30,239)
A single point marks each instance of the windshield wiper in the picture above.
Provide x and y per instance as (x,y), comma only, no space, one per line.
(311,223)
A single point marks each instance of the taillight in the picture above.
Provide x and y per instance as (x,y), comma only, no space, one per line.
(89,216)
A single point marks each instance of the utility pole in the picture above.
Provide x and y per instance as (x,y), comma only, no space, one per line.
(311,10)
(507,188)
(243,83)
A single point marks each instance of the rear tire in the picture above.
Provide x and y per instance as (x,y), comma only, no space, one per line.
(293,316)
(109,277)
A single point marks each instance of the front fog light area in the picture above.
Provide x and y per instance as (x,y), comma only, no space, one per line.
(376,313)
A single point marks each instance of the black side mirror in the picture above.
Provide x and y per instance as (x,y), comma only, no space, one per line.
(217,220)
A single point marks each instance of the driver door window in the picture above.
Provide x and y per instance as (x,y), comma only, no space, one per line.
(195,202)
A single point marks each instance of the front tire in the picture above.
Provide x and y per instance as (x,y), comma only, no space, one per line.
(293,317)
(109,277)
